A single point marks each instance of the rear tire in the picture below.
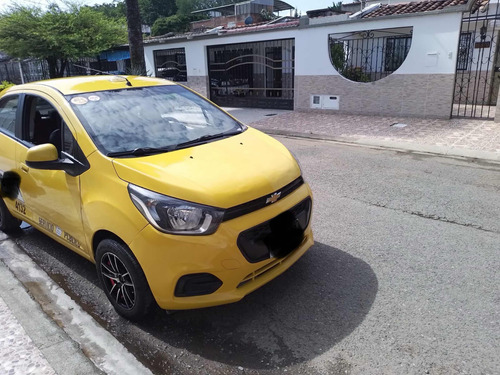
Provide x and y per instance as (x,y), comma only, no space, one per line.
(123,280)
(8,223)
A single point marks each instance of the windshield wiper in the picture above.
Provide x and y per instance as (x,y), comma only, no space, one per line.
(141,151)
(208,137)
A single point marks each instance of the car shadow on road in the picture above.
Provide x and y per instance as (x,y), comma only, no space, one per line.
(301,314)
(296,317)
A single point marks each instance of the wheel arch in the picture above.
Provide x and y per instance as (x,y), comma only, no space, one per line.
(104,234)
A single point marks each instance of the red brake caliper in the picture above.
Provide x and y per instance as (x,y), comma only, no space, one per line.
(112,281)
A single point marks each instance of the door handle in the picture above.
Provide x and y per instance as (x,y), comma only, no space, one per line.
(24,168)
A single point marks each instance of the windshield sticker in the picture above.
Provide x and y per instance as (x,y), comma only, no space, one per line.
(79,100)
(94,98)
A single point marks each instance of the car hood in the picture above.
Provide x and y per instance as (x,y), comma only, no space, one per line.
(222,173)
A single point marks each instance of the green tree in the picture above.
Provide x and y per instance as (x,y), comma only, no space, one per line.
(177,23)
(336,7)
(151,10)
(185,7)
(115,9)
(57,35)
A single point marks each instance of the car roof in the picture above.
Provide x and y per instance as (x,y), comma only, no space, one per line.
(78,85)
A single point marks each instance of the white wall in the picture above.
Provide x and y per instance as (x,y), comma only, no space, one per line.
(433,49)
(196,49)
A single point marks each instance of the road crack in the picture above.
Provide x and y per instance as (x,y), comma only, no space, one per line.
(423,215)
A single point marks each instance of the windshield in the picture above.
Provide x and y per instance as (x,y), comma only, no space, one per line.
(150,119)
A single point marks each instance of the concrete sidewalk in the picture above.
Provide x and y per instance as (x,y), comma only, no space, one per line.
(43,331)
(469,138)
(30,342)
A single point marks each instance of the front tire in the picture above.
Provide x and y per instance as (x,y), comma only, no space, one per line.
(8,223)
(123,280)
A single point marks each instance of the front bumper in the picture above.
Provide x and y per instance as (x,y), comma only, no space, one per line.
(166,258)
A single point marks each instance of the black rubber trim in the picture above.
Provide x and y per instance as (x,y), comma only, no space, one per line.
(197,284)
(257,204)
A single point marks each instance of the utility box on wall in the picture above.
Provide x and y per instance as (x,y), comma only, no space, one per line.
(315,101)
(325,102)
(330,102)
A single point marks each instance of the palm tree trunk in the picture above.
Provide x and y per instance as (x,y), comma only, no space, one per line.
(138,65)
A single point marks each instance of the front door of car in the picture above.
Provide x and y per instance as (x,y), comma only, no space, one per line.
(51,197)
(9,109)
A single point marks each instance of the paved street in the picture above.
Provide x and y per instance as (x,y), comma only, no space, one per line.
(403,278)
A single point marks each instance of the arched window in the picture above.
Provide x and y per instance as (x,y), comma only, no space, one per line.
(367,56)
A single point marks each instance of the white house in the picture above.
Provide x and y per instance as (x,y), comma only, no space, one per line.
(427,59)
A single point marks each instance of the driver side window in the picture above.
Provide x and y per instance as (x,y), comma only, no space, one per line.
(44,124)
(42,121)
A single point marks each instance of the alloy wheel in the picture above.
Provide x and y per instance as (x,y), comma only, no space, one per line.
(118,281)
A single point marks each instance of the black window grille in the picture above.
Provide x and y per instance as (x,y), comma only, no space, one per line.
(171,64)
(464,51)
(367,56)
(255,74)
(396,50)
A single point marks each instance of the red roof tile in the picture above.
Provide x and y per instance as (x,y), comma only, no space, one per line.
(414,7)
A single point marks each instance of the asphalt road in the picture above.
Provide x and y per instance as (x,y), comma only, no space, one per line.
(403,279)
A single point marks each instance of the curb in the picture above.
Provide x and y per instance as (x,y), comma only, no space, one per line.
(433,150)
(81,345)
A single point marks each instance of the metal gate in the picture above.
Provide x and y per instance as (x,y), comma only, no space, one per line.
(258,74)
(478,64)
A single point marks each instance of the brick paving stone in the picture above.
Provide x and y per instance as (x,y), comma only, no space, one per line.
(470,134)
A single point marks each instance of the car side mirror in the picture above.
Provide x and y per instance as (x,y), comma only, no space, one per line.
(46,157)
(38,156)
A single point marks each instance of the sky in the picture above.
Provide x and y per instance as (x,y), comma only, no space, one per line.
(301,5)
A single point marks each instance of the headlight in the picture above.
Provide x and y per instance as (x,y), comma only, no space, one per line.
(175,216)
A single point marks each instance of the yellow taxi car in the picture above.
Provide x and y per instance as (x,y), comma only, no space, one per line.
(175,201)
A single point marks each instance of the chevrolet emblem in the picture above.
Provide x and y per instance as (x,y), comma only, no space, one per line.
(273,198)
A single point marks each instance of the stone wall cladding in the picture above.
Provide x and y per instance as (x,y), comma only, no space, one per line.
(198,84)
(417,95)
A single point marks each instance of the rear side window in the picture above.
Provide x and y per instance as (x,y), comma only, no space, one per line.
(8,109)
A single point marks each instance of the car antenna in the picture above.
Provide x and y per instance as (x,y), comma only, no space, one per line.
(104,73)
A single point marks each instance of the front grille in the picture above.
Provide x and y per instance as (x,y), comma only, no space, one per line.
(277,237)
(257,204)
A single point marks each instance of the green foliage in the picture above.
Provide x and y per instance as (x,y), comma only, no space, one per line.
(58,35)
(177,23)
(5,85)
(267,15)
(115,10)
(355,73)
(336,7)
(185,7)
(151,10)
(337,55)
